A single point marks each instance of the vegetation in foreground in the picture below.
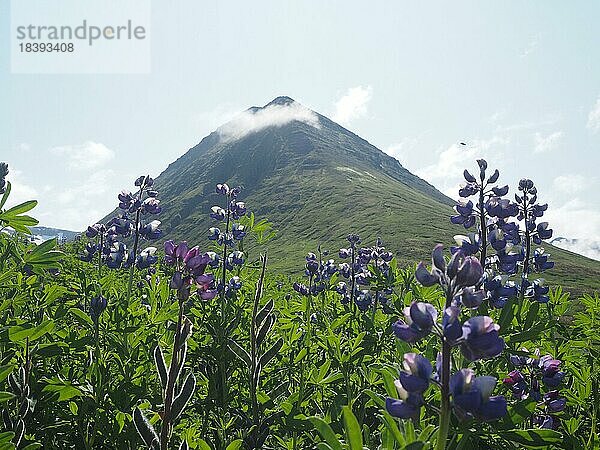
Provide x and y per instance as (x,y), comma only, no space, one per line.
(108,345)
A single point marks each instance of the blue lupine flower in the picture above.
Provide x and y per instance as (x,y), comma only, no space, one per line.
(471,297)
(151,205)
(218,213)
(3,175)
(543,233)
(466,215)
(481,338)
(499,291)
(468,245)
(472,396)
(238,231)
(222,189)
(151,231)
(146,258)
(418,322)
(411,385)
(215,233)
(451,325)
(97,306)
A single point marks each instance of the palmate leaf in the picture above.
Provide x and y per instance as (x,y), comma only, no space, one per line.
(533,438)
(270,354)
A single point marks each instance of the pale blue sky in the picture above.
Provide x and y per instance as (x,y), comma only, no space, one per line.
(518,81)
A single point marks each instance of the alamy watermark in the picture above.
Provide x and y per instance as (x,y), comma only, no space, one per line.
(71,36)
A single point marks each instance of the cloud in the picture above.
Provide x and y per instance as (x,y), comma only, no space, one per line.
(446,173)
(88,155)
(572,183)
(544,144)
(574,219)
(531,46)
(20,190)
(593,123)
(275,115)
(402,149)
(591,249)
(352,105)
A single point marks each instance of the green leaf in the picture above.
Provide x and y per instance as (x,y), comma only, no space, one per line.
(533,438)
(66,390)
(326,432)
(270,354)
(84,318)
(240,352)
(20,333)
(5,370)
(145,430)
(352,428)
(235,445)
(6,396)
(7,436)
(20,208)
(6,194)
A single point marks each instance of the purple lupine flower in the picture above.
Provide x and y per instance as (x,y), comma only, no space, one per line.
(151,231)
(146,258)
(418,322)
(481,338)
(3,175)
(472,396)
(411,385)
(238,231)
(222,189)
(97,306)
(218,213)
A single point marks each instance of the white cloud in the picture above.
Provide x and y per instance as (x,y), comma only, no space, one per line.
(446,173)
(20,189)
(274,115)
(591,249)
(402,149)
(593,123)
(88,155)
(574,219)
(572,183)
(208,121)
(546,143)
(531,46)
(352,105)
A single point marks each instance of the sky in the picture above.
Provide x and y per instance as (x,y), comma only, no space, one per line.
(518,82)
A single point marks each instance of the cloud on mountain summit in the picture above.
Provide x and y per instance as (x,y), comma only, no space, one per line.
(274,115)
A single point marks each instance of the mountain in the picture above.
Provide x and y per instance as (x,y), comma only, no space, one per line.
(44,233)
(317,182)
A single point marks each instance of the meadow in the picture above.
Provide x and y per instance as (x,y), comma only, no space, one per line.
(113,341)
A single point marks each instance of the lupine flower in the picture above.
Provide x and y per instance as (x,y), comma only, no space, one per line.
(418,322)
(472,396)
(539,373)
(3,175)
(411,385)
(499,290)
(218,213)
(481,339)
(97,306)
(462,271)
(146,258)
(151,231)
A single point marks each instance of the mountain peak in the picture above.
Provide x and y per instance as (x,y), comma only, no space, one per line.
(281,100)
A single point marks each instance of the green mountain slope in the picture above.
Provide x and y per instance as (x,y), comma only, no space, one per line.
(317,182)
